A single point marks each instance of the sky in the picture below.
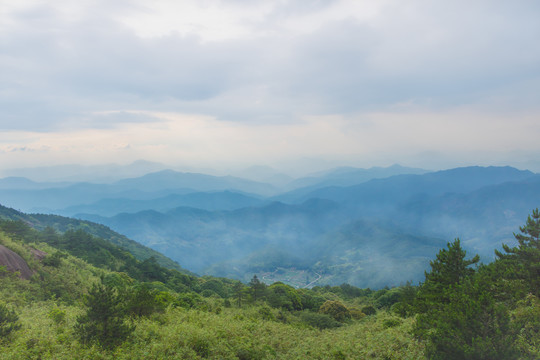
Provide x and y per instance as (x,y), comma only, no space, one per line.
(293,84)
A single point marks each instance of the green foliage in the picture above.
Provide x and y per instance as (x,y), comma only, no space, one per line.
(310,300)
(448,270)
(283,296)
(524,260)
(216,286)
(405,306)
(266,313)
(482,314)
(471,326)
(104,320)
(389,298)
(189,300)
(319,320)
(336,310)
(369,310)
(240,292)
(392,322)
(350,291)
(465,315)
(450,266)
(257,288)
(142,301)
(526,323)
(9,321)
(55,259)
(58,316)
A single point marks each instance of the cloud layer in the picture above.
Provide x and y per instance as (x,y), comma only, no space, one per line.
(347,81)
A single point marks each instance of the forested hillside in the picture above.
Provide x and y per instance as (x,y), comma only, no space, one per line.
(63,224)
(88,298)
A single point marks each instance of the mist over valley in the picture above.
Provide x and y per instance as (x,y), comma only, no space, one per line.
(371,227)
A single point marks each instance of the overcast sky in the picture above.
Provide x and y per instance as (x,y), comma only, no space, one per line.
(207,83)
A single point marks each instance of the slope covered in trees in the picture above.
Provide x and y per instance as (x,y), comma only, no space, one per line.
(22,223)
(72,307)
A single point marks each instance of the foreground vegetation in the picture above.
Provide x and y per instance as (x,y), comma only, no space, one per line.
(90,299)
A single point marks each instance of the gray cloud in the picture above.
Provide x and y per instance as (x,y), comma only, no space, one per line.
(68,68)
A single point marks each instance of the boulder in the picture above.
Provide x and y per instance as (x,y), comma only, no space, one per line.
(14,263)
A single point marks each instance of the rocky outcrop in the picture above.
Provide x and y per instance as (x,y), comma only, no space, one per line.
(14,263)
(38,254)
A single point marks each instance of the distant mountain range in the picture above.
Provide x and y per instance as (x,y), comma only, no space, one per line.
(368,227)
(69,198)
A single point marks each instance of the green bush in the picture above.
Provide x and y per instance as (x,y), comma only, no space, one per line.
(356,314)
(143,301)
(54,260)
(283,296)
(266,313)
(393,322)
(58,316)
(9,321)
(526,323)
(320,321)
(369,310)
(336,310)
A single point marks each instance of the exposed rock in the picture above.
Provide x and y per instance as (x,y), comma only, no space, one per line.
(38,254)
(13,262)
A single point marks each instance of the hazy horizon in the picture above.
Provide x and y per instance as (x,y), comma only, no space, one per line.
(298,86)
(108,172)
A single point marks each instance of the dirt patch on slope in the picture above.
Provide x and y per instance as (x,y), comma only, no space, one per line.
(13,262)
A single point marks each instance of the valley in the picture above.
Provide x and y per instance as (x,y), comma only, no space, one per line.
(368,227)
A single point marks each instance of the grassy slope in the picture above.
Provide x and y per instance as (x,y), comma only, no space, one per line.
(232,334)
(210,331)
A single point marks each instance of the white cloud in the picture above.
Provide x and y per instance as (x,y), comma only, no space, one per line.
(269,80)
(200,141)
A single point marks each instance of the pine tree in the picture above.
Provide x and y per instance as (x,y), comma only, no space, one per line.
(257,288)
(239,293)
(104,321)
(460,317)
(524,260)
(448,270)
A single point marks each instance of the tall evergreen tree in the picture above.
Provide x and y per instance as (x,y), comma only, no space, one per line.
(104,320)
(524,260)
(448,270)
(239,293)
(257,288)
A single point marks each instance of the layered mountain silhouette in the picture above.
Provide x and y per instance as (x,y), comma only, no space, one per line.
(361,226)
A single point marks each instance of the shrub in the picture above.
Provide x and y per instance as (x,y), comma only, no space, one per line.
(356,314)
(9,321)
(336,310)
(54,260)
(142,301)
(388,323)
(320,321)
(283,296)
(58,316)
(208,293)
(201,346)
(369,310)
(266,313)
